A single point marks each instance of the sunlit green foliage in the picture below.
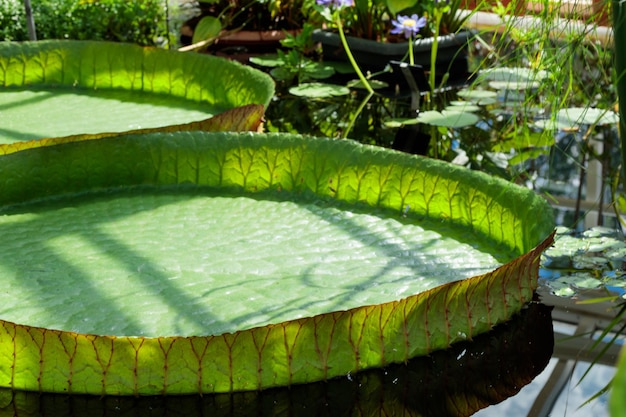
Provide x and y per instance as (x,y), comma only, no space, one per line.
(142,22)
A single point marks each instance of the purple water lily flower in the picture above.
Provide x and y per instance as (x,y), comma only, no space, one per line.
(410,26)
(335,3)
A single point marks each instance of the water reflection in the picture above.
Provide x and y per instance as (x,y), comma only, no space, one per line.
(456,382)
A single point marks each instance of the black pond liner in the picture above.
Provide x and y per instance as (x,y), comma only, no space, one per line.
(455,382)
(373,56)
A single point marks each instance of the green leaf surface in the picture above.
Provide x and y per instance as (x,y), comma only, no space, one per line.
(392,123)
(462,106)
(379,258)
(594,258)
(478,96)
(526,154)
(318,71)
(341,67)
(516,75)
(61,88)
(126,194)
(208,27)
(575,116)
(514,86)
(448,118)
(375,84)
(318,90)
(266,60)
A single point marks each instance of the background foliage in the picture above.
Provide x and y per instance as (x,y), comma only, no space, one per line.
(142,22)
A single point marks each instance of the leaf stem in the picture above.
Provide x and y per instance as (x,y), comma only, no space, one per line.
(344,41)
(433,56)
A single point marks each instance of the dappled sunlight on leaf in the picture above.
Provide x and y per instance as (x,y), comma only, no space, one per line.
(389,194)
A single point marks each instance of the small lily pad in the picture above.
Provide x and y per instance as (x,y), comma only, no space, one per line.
(518,75)
(562,289)
(319,71)
(375,84)
(576,116)
(478,96)
(267,60)
(392,123)
(591,259)
(318,90)
(582,281)
(619,283)
(341,67)
(463,106)
(599,231)
(447,118)
(514,85)
(553,124)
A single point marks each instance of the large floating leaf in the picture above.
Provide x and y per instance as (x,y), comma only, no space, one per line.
(62,88)
(272,168)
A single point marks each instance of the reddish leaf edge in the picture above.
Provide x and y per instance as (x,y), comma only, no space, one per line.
(247,118)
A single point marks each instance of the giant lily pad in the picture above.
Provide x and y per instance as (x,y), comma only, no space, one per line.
(363,257)
(62,88)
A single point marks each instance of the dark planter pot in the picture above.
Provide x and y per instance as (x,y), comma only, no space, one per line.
(374,56)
